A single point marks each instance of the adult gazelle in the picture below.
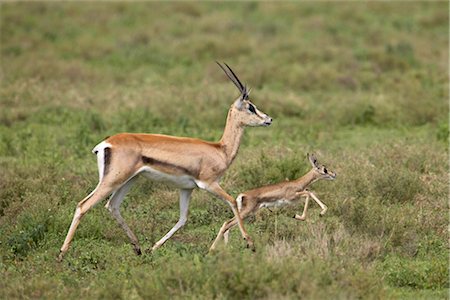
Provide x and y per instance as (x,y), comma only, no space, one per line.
(185,163)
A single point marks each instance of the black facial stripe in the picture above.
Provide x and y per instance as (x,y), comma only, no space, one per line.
(251,108)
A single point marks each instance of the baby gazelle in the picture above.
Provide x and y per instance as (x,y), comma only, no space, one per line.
(279,194)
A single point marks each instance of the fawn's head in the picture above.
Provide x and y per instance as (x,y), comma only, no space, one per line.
(321,170)
(244,111)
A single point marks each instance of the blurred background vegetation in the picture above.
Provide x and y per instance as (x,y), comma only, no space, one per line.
(363,85)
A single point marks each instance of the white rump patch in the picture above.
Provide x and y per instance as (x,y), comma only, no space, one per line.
(239,201)
(100,151)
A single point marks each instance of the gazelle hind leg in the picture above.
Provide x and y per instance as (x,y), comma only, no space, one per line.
(322,206)
(227,233)
(83,206)
(226,236)
(113,206)
(185,196)
(220,234)
(226,227)
(216,190)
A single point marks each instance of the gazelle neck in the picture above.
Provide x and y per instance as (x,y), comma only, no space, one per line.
(306,180)
(231,138)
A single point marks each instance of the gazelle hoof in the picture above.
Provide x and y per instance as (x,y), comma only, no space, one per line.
(155,246)
(138,251)
(251,246)
(301,218)
(59,258)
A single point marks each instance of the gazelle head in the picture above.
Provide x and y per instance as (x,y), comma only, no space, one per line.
(320,170)
(243,109)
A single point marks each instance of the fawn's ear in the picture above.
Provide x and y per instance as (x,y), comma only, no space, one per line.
(312,160)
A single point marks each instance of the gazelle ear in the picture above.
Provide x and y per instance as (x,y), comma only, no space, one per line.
(238,103)
(312,160)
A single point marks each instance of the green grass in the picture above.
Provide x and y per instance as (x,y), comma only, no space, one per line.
(362,85)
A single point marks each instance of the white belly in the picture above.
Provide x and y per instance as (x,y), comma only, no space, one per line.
(277,203)
(181,182)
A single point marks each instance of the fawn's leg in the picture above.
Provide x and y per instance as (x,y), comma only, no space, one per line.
(303,216)
(322,206)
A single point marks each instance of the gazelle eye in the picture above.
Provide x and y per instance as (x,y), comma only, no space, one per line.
(325,170)
(251,108)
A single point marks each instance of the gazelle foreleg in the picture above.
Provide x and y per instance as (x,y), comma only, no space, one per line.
(185,196)
(322,206)
(113,206)
(308,194)
(303,216)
